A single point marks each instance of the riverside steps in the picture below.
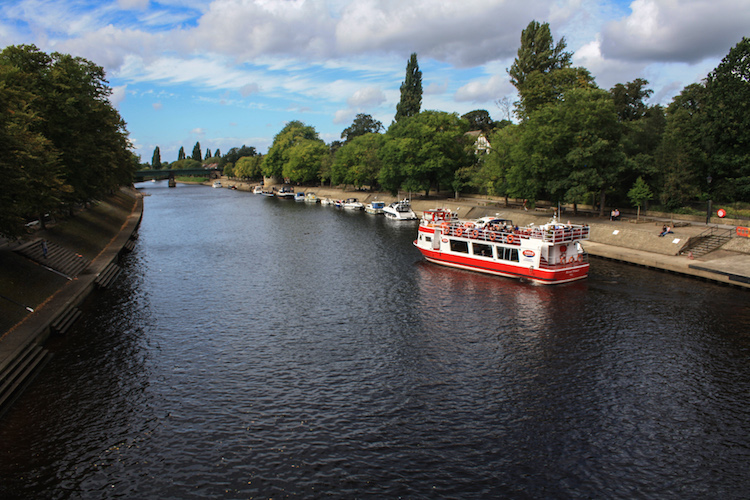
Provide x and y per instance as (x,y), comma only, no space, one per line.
(45,278)
(631,240)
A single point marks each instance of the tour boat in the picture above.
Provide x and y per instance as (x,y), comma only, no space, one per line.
(547,254)
(375,207)
(400,210)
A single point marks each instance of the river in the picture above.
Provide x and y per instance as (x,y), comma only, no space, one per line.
(261,348)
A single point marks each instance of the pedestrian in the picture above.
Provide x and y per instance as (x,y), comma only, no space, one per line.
(44,248)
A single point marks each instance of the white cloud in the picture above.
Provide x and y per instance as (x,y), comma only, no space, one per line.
(118,95)
(676,31)
(487,90)
(368,97)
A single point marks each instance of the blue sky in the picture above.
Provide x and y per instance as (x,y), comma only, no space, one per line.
(233,72)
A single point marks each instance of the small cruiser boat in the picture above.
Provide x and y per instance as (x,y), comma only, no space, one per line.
(217,184)
(353,204)
(299,196)
(310,197)
(547,254)
(375,207)
(400,210)
(258,190)
(327,202)
(286,192)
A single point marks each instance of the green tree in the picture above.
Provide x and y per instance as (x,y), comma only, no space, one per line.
(357,162)
(197,152)
(279,153)
(411,91)
(304,159)
(728,109)
(424,152)
(538,54)
(156,158)
(217,153)
(573,147)
(479,119)
(181,153)
(247,167)
(363,124)
(629,99)
(639,194)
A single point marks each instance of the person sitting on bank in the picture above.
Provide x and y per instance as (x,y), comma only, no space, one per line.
(614,214)
(665,230)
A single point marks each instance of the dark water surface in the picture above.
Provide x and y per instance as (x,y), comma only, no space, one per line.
(259,348)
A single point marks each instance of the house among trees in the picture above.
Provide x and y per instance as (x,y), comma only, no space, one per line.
(481,143)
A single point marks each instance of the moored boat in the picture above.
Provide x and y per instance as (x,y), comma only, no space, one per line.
(326,201)
(286,192)
(352,204)
(217,184)
(400,210)
(311,197)
(299,196)
(375,207)
(548,254)
(258,190)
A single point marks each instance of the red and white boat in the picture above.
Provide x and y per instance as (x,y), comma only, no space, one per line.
(547,254)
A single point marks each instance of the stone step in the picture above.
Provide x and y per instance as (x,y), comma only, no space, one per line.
(19,373)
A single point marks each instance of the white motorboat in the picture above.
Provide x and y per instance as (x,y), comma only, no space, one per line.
(258,190)
(327,202)
(352,204)
(217,184)
(311,197)
(375,207)
(400,210)
(299,196)
(286,192)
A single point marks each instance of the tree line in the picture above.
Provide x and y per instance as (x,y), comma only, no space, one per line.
(572,142)
(61,141)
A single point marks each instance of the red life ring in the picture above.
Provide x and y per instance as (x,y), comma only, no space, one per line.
(511,239)
(444,227)
(492,236)
(474,233)
(459,231)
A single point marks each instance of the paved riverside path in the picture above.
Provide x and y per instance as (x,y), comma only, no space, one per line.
(34,328)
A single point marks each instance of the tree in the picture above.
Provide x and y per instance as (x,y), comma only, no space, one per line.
(630,99)
(411,91)
(363,124)
(357,162)
(279,153)
(538,53)
(572,147)
(541,71)
(424,152)
(247,167)
(235,154)
(197,152)
(304,159)
(639,194)
(208,153)
(728,109)
(217,153)
(181,154)
(479,120)
(156,159)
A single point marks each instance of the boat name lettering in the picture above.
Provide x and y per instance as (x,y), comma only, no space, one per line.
(528,253)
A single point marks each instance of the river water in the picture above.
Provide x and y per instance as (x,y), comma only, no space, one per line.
(260,348)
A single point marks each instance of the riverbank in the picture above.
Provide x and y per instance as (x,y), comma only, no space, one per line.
(45,276)
(629,240)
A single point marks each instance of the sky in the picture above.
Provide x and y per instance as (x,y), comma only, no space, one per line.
(228,73)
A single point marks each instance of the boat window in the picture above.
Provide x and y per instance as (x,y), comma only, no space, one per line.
(481,249)
(428,238)
(505,253)
(460,246)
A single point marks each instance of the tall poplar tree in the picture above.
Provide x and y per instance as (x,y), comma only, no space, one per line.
(156,159)
(411,91)
(197,152)
(181,154)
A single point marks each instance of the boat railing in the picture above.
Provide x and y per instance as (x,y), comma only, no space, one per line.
(560,234)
